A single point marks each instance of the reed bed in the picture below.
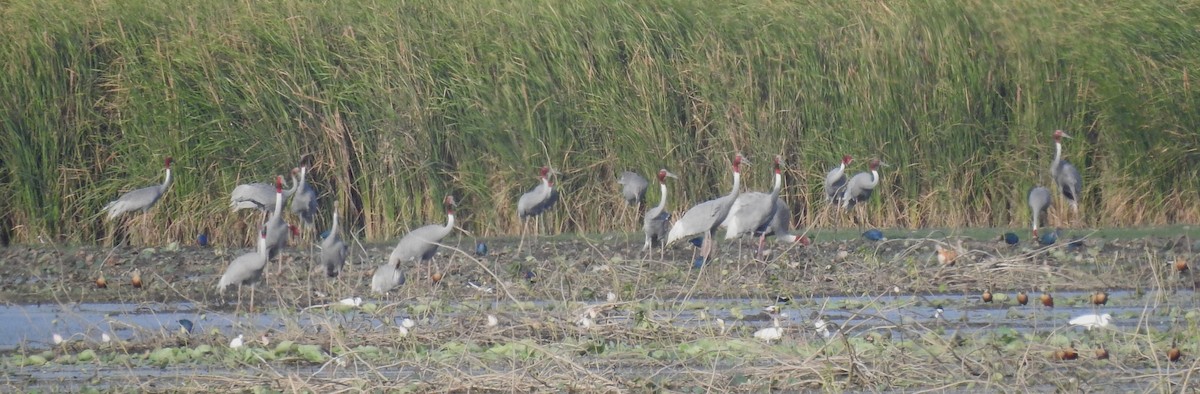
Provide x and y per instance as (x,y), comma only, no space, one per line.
(396,103)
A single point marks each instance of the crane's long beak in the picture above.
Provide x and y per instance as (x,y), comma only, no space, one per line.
(1064,134)
(671,175)
(883,164)
(553,172)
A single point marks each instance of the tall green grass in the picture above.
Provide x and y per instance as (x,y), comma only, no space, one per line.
(400,102)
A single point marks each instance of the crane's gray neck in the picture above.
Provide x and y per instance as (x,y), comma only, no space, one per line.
(295,186)
(333,229)
(1035,221)
(167,181)
(278,202)
(662,199)
(1057,158)
(737,183)
(449,223)
(262,245)
(778,185)
(303,174)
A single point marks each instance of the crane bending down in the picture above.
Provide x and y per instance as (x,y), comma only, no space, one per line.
(140,199)
(247,269)
(1065,175)
(420,243)
(1039,201)
(835,181)
(655,222)
(304,201)
(860,187)
(259,195)
(333,250)
(533,203)
(707,216)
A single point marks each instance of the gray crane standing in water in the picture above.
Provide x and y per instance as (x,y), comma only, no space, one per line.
(754,211)
(860,187)
(534,202)
(707,216)
(835,181)
(259,195)
(420,243)
(655,222)
(304,201)
(247,269)
(140,199)
(1065,175)
(633,189)
(333,250)
(1039,201)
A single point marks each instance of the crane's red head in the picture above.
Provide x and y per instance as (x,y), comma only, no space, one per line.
(543,172)
(874,164)
(663,174)
(803,240)
(168,161)
(262,232)
(279,184)
(1059,134)
(449,204)
(847,159)
(778,163)
(295,230)
(738,159)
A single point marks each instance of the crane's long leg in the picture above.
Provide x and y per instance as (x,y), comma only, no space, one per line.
(524,224)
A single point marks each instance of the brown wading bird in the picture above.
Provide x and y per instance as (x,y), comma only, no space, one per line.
(1101,354)
(1047,300)
(1067,354)
(655,222)
(247,269)
(1100,298)
(987,295)
(101,282)
(1065,175)
(1174,353)
(946,256)
(1022,298)
(1181,264)
(706,217)
(420,243)
(533,203)
(136,280)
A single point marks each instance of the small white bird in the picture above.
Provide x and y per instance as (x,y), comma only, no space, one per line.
(1091,320)
(721,325)
(58,339)
(403,331)
(492,321)
(236,342)
(939,313)
(352,301)
(770,333)
(611,297)
(407,323)
(105,338)
(823,327)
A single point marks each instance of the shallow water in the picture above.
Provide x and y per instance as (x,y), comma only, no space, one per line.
(32,326)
